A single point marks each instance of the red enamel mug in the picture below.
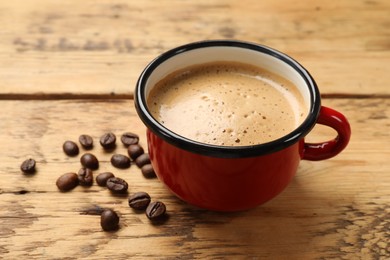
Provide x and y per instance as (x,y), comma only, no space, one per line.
(225,178)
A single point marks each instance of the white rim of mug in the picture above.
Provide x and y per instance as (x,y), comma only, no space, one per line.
(227,151)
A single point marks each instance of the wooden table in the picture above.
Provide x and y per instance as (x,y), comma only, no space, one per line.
(69,68)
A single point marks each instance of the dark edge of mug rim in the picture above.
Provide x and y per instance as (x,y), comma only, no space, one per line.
(227,151)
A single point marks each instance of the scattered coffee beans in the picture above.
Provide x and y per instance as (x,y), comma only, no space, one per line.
(67,181)
(155,210)
(28,166)
(90,161)
(85,176)
(102,178)
(86,141)
(70,148)
(109,220)
(139,200)
(148,171)
(142,160)
(108,141)
(120,161)
(117,185)
(129,138)
(135,150)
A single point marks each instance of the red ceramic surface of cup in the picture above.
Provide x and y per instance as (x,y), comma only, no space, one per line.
(234,178)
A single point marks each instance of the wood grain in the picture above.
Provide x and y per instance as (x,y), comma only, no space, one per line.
(333,209)
(84,48)
(69,68)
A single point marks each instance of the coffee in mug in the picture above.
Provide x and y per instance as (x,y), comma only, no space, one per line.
(227,120)
(227,103)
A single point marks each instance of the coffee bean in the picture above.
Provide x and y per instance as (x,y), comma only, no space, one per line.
(148,171)
(135,150)
(90,161)
(102,178)
(85,176)
(70,148)
(142,160)
(120,161)
(139,200)
(129,138)
(117,185)
(86,141)
(28,166)
(67,181)
(109,220)
(155,210)
(108,141)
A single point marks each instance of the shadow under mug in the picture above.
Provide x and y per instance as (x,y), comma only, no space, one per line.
(226,178)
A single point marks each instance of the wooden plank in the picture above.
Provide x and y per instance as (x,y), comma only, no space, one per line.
(100,47)
(338,208)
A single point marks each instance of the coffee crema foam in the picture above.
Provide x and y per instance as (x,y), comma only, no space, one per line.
(227,104)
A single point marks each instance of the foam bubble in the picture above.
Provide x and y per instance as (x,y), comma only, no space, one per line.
(205,98)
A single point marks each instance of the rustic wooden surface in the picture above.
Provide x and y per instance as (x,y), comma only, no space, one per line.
(69,67)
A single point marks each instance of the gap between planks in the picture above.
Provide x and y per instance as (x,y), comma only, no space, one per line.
(113,96)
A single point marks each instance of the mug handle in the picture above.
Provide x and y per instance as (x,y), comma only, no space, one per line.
(328,149)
